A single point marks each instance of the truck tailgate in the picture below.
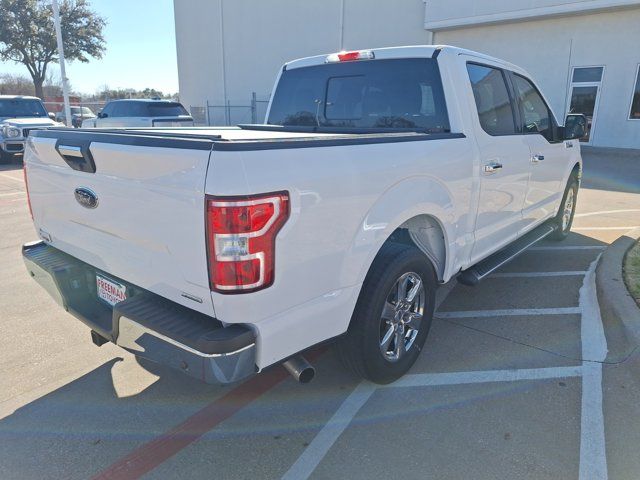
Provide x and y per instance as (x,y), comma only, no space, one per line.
(147,226)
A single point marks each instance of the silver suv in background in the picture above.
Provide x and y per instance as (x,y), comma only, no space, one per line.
(141,113)
(18,115)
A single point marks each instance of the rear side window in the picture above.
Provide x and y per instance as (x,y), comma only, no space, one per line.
(118,109)
(492,99)
(536,117)
(134,109)
(377,94)
(166,109)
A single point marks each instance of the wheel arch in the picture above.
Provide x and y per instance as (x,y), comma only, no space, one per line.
(425,233)
(421,207)
(573,167)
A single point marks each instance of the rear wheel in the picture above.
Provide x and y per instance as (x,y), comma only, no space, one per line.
(392,317)
(564,218)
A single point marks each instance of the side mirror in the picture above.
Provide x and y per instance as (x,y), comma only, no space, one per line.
(575,126)
(52,115)
(102,115)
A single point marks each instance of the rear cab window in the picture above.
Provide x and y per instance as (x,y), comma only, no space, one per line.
(491,94)
(393,94)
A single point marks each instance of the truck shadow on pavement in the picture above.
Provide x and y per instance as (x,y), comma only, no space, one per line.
(83,427)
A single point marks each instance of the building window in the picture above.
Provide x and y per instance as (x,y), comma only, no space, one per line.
(584,94)
(587,74)
(634,114)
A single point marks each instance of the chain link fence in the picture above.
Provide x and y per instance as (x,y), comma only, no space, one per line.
(229,114)
(203,115)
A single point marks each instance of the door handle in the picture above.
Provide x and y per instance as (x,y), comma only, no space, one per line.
(537,158)
(491,168)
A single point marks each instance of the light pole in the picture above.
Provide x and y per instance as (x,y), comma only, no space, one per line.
(65,87)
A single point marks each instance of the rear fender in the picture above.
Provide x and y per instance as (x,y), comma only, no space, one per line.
(417,204)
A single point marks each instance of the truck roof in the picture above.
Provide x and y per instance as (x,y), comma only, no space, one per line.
(409,51)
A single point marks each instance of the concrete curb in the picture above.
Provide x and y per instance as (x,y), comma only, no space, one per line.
(619,311)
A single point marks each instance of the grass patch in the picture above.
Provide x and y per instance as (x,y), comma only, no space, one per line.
(631,271)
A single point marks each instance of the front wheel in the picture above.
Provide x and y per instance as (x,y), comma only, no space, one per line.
(392,317)
(564,218)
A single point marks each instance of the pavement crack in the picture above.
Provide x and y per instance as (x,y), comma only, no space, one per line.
(512,340)
(524,344)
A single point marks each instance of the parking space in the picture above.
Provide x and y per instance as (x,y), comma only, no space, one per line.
(509,384)
(462,430)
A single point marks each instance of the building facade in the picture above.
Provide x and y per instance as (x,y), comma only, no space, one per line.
(584,54)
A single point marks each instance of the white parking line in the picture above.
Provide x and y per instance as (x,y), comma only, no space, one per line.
(12,178)
(11,194)
(605,212)
(581,229)
(537,274)
(485,376)
(324,440)
(593,459)
(510,313)
(566,247)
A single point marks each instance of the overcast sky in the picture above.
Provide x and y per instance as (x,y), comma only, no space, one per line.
(141,49)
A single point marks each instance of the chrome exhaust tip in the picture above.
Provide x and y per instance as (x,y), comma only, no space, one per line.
(300,369)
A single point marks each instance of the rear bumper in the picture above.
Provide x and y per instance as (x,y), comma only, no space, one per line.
(146,324)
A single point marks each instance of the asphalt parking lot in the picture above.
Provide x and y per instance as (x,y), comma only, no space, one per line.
(519,379)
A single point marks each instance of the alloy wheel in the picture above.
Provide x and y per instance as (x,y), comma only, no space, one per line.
(402,316)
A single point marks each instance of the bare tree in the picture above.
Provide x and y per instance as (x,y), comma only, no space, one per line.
(11,84)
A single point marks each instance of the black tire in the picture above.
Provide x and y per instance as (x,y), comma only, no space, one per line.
(360,349)
(563,229)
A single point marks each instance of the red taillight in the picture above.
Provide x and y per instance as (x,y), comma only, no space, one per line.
(241,240)
(26,186)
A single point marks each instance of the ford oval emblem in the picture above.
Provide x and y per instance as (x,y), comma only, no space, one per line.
(86,197)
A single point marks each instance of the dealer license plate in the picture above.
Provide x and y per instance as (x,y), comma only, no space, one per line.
(110,291)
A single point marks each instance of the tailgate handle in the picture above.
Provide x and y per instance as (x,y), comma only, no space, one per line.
(77,156)
(70,150)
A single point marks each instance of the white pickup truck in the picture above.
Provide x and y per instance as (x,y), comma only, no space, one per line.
(378,175)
